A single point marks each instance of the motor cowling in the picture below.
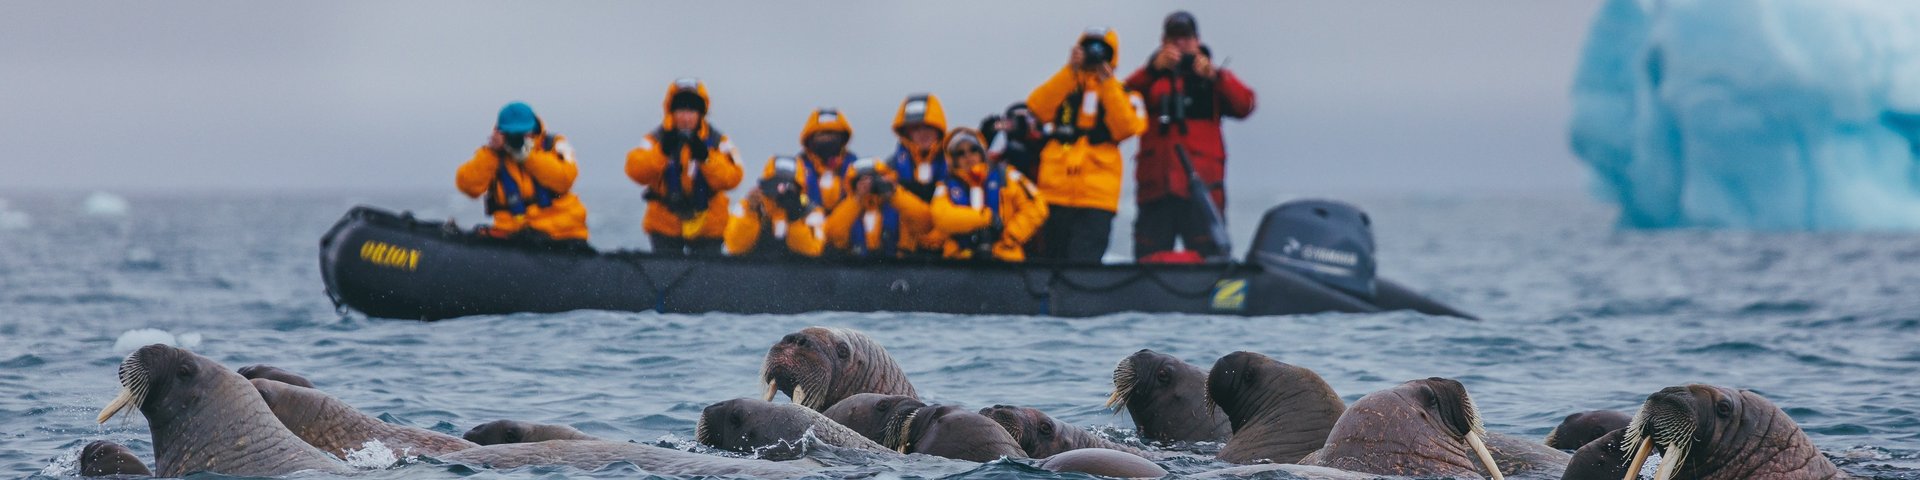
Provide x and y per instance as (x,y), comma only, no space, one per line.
(1328,241)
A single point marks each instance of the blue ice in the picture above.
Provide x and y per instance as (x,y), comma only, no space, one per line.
(1758,114)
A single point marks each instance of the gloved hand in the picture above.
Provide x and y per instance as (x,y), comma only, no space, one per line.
(670,143)
(882,187)
(995,229)
(696,149)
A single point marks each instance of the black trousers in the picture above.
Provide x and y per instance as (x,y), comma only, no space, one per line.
(1075,234)
(1166,218)
(679,246)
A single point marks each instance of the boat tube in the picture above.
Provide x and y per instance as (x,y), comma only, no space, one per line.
(1316,258)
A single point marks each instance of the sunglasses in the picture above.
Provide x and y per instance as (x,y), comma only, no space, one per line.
(963,151)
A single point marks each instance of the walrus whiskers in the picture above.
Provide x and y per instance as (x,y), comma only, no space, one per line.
(800,395)
(1475,431)
(133,388)
(899,435)
(1123,382)
(1639,457)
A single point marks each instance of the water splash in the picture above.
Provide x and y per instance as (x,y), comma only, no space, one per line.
(375,455)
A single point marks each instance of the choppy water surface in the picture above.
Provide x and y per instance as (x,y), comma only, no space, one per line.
(1578,317)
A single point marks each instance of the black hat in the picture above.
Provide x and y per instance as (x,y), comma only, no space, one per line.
(1180,24)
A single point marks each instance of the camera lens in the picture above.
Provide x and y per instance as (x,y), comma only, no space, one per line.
(515,142)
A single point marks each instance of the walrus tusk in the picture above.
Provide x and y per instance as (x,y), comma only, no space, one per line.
(800,396)
(1115,402)
(114,407)
(1668,460)
(1486,457)
(1639,459)
(771,391)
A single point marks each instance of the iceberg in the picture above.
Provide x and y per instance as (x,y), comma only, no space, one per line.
(1754,114)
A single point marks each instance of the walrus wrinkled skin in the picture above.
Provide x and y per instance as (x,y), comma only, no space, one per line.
(514,431)
(104,459)
(1042,436)
(1103,462)
(335,427)
(951,432)
(1579,428)
(1167,399)
(1422,428)
(206,418)
(269,372)
(1526,457)
(772,430)
(593,454)
(870,413)
(1709,432)
(1280,412)
(1604,458)
(818,367)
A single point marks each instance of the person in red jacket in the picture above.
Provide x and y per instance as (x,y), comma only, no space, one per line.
(1186,95)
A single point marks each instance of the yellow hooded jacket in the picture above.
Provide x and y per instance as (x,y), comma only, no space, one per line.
(823,179)
(1022,208)
(551,165)
(647,165)
(1085,173)
(745,230)
(919,172)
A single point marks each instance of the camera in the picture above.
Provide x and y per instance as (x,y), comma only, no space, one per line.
(1094,52)
(1186,63)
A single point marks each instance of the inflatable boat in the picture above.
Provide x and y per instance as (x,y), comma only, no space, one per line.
(1310,256)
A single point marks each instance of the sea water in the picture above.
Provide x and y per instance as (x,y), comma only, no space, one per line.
(1578,316)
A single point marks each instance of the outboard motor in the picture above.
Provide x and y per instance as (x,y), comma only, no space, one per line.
(1328,241)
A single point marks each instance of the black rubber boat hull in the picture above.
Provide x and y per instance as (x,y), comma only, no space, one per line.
(392,266)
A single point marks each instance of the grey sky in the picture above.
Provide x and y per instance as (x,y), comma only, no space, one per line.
(1423,96)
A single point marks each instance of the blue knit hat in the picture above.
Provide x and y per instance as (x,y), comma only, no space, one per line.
(516,119)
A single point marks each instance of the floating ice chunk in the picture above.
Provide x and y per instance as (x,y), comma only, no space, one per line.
(105,204)
(12,220)
(140,337)
(1764,114)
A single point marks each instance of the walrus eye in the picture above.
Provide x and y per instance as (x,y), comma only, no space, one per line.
(513,435)
(1723,408)
(186,370)
(736,419)
(1046,430)
(884,406)
(842,350)
(1164,376)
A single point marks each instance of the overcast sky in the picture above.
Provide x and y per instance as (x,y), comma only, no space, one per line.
(1408,96)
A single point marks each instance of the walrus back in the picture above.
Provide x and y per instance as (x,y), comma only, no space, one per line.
(593,454)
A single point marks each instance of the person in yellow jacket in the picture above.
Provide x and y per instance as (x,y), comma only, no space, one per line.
(880,220)
(824,160)
(1080,167)
(687,167)
(984,208)
(918,164)
(526,174)
(776,219)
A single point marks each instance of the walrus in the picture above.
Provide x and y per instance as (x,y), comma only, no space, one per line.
(772,430)
(1041,436)
(869,413)
(1518,456)
(1579,428)
(1166,398)
(1279,412)
(1710,432)
(261,370)
(514,431)
(335,427)
(207,418)
(103,458)
(1421,428)
(1604,458)
(593,454)
(1103,462)
(819,366)
(951,432)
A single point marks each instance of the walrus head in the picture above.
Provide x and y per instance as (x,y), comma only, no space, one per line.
(1279,412)
(1166,397)
(159,375)
(747,425)
(818,367)
(269,372)
(105,458)
(1039,434)
(952,432)
(1706,431)
(498,432)
(1420,428)
(869,414)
